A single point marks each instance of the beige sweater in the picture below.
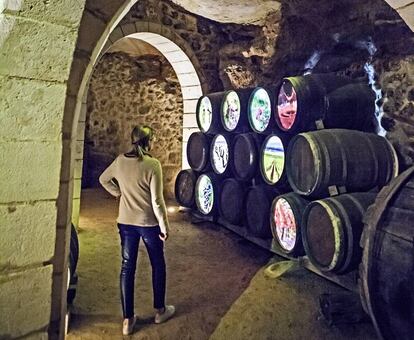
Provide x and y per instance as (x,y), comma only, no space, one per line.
(140,191)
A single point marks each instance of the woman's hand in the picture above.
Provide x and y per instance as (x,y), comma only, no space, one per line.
(163,236)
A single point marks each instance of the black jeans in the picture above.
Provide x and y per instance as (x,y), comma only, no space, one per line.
(130,236)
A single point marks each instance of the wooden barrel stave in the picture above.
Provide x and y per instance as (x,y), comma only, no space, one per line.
(332,230)
(387,269)
(355,160)
(184,188)
(245,151)
(198,151)
(231,200)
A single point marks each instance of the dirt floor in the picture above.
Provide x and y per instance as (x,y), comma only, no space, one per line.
(215,279)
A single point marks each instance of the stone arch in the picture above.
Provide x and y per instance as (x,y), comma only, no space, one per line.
(85,58)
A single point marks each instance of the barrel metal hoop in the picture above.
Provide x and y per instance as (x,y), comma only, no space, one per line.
(338,233)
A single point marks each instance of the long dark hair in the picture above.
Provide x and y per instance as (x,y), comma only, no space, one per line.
(140,139)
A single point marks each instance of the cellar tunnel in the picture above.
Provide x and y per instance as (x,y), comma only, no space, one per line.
(61,129)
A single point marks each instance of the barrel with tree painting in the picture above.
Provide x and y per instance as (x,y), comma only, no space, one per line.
(332,229)
(208,113)
(257,206)
(260,110)
(354,160)
(207,191)
(234,110)
(272,161)
(286,222)
(198,151)
(184,188)
(220,154)
(231,200)
(387,269)
(245,155)
(337,101)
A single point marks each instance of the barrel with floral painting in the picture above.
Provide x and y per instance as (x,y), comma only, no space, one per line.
(208,113)
(305,103)
(234,110)
(286,222)
(259,111)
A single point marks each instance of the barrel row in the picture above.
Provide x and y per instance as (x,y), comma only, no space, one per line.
(311,163)
(328,230)
(295,105)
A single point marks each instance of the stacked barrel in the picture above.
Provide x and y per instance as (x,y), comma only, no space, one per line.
(297,162)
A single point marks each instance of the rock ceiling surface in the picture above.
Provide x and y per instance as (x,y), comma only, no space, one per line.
(232,11)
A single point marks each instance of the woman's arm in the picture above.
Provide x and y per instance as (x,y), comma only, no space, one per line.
(106,180)
(157,197)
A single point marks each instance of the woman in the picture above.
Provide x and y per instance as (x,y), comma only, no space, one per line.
(142,214)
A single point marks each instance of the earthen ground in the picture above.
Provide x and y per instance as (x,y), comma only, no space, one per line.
(215,279)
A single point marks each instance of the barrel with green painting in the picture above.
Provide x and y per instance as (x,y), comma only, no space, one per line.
(272,161)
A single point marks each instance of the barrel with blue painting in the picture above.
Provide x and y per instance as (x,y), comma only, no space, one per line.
(207,194)
(272,161)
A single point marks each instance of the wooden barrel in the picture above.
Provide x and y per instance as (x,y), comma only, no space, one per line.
(272,161)
(354,160)
(245,151)
(184,188)
(302,100)
(351,107)
(207,193)
(234,110)
(332,229)
(260,110)
(286,222)
(208,113)
(198,151)
(257,206)
(231,200)
(220,154)
(387,269)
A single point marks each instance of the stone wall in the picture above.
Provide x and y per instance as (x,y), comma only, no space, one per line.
(126,91)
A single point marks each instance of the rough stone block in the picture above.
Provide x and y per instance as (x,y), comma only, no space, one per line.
(77,188)
(64,204)
(407,13)
(78,169)
(30,109)
(80,131)
(93,28)
(190,106)
(105,8)
(25,299)
(188,79)
(30,171)
(116,34)
(190,120)
(191,92)
(398,3)
(79,149)
(35,49)
(65,13)
(141,26)
(75,211)
(27,233)
(128,29)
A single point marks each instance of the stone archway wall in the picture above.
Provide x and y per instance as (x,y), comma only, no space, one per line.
(47,53)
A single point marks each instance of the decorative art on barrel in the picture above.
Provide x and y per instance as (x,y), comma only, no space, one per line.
(208,113)
(260,110)
(303,100)
(230,110)
(206,193)
(286,222)
(219,154)
(272,160)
